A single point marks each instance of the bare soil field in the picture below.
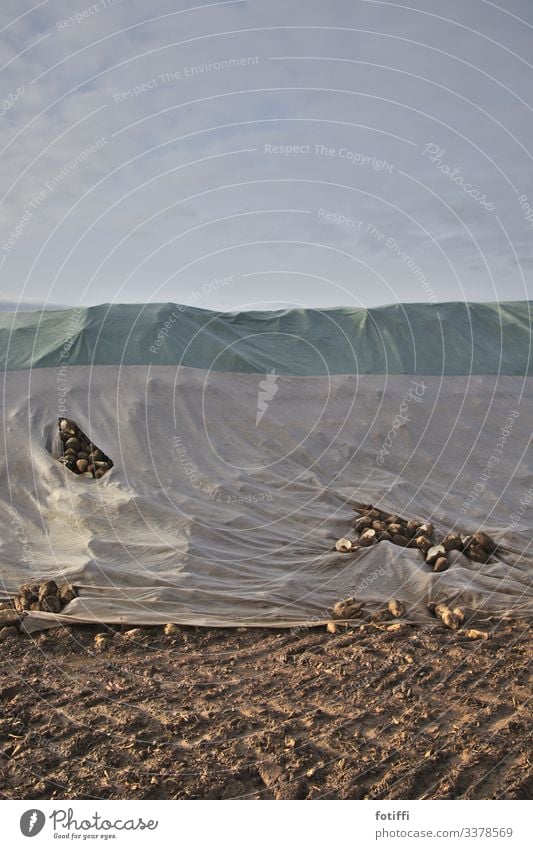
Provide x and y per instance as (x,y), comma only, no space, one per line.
(418,712)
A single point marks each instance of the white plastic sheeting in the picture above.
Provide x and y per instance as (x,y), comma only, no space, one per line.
(209,518)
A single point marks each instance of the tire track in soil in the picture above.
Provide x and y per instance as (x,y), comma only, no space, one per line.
(216,713)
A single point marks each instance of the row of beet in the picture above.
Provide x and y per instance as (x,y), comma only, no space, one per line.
(344,612)
(373,526)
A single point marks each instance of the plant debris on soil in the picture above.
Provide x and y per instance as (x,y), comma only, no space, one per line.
(377,711)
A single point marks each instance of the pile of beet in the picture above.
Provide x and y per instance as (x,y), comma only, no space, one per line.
(79,454)
(373,526)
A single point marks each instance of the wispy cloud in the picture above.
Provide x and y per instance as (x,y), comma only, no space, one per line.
(229,126)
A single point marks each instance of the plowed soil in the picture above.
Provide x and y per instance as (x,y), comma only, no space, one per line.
(262,714)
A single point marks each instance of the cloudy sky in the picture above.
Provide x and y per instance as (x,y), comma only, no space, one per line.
(262,153)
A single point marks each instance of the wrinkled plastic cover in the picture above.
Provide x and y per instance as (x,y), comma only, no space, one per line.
(216,515)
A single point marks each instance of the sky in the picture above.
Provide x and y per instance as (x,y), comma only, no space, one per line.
(262,154)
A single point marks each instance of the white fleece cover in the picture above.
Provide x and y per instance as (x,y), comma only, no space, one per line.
(210,518)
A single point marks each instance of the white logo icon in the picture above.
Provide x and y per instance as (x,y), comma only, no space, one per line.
(268,389)
(32,822)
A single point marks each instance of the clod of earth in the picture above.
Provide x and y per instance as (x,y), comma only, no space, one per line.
(101,641)
(466,542)
(448,617)
(66,593)
(423,544)
(368,537)
(134,634)
(350,608)
(9,616)
(384,536)
(51,604)
(382,615)
(434,553)
(474,634)
(47,588)
(483,540)
(441,564)
(459,614)
(478,554)
(400,539)
(452,542)
(397,608)
(362,523)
